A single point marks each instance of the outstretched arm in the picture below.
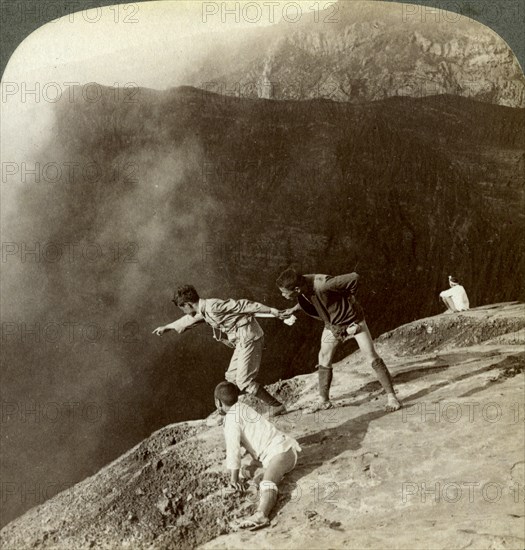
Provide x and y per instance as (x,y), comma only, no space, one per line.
(242,307)
(180,325)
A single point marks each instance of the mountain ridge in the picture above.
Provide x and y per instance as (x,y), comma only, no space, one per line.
(372,50)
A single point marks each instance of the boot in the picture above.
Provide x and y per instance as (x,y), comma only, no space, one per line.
(275,407)
(266,397)
(325,381)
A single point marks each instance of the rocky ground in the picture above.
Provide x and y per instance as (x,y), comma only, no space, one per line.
(446,471)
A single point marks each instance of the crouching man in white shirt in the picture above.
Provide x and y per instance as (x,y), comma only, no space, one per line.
(455,298)
(244,426)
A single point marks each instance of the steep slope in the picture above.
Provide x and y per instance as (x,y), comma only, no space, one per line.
(194,187)
(363,51)
(446,471)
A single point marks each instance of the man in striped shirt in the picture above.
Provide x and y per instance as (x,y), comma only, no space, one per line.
(332,300)
(234,324)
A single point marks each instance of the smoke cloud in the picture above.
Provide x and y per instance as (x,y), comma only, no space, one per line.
(96,232)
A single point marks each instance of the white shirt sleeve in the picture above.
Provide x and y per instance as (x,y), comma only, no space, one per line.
(449,293)
(232,435)
(184,323)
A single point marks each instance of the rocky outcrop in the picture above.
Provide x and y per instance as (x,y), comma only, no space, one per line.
(369,52)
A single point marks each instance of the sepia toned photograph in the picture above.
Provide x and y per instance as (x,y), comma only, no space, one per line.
(261,277)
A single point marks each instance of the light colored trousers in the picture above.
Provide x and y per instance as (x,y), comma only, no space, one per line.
(245,363)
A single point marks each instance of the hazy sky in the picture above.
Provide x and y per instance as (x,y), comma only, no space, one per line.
(146,43)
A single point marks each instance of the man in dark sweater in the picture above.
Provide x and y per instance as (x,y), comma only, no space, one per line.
(332,300)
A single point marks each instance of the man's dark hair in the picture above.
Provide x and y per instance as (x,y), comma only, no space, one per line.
(185,294)
(227,393)
(289,279)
